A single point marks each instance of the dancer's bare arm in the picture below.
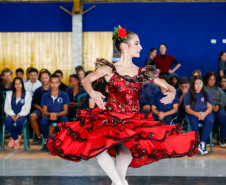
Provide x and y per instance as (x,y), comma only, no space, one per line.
(171,90)
(103,71)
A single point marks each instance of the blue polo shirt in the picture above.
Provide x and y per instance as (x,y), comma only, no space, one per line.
(37,98)
(57,104)
(200,102)
(160,106)
(72,96)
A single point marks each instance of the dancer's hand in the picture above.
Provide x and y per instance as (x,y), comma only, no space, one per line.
(97,98)
(168,98)
(161,115)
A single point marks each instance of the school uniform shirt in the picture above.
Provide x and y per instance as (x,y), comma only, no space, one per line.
(31,87)
(12,103)
(55,104)
(200,101)
(72,96)
(160,106)
(37,98)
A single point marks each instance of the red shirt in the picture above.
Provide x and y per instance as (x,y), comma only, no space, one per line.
(164,62)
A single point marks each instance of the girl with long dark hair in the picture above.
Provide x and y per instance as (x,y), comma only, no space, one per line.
(198,108)
(17,107)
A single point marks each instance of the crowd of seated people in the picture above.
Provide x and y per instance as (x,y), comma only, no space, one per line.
(46,99)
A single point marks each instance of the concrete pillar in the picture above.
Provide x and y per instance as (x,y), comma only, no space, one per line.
(77,40)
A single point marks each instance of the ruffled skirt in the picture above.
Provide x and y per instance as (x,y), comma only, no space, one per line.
(98,130)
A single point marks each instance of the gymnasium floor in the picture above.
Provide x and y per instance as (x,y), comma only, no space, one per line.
(39,168)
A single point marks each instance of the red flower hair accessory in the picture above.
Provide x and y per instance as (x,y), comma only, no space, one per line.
(120,33)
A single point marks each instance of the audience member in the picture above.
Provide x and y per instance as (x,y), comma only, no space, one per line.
(147,93)
(164,112)
(33,83)
(88,72)
(152,55)
(6,84)
(81,75)
(219,101)
(198,106)
(40,72)
(74,91)
(181,92)
(100,86)
(27,74)
(164,61)
(78,68)
(17,107)
(223,83)
(174,80)
(222,63)
(54,107)
(36,115)
(196,72)
(62,87)
(20,73)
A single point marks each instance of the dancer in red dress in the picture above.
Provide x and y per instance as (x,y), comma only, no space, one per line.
(117,129)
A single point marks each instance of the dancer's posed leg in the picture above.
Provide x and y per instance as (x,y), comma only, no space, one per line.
(123,159)
(108,165)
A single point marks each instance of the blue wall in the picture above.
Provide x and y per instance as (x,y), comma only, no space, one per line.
(186,28)
(35,17)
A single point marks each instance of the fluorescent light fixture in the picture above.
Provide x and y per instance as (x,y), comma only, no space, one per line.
(213,41)
(224,41)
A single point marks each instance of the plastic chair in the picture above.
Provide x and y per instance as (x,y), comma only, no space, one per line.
(25,134)
(79,99)
(201,125)
(54,124)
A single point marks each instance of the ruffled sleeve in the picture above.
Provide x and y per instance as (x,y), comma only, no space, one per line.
(148,74)
(103,62)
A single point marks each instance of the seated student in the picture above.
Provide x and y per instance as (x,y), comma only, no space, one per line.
(6,84)
(55,107)
(100,86)
(196,72)
(147,93)
(27,74)
(17,107)
(181,91)
(33,83)
(37,113)
(223,83)
(78,68)
(168,112)
(20,73)
(73,93)
(81,75)
(174,80)
(198,107)
(62,87)
(219,102)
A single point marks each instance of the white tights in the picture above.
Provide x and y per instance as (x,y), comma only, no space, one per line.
(116,172)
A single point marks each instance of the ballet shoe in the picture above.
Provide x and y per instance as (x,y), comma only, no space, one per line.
(125,182)
(11,143)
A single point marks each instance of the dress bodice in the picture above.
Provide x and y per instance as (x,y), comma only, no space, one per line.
(124,91)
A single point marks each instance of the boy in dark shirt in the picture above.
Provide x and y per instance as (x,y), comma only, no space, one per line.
(164,112)
(37,113)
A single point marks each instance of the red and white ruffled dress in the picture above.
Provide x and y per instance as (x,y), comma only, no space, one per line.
(98,130)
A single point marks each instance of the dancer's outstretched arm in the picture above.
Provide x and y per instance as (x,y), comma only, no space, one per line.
(103,71)
(171,90)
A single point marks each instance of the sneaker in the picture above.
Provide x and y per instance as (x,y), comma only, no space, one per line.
(37,141)
(202,149)
(223,143)
(11,143)
(44,149)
